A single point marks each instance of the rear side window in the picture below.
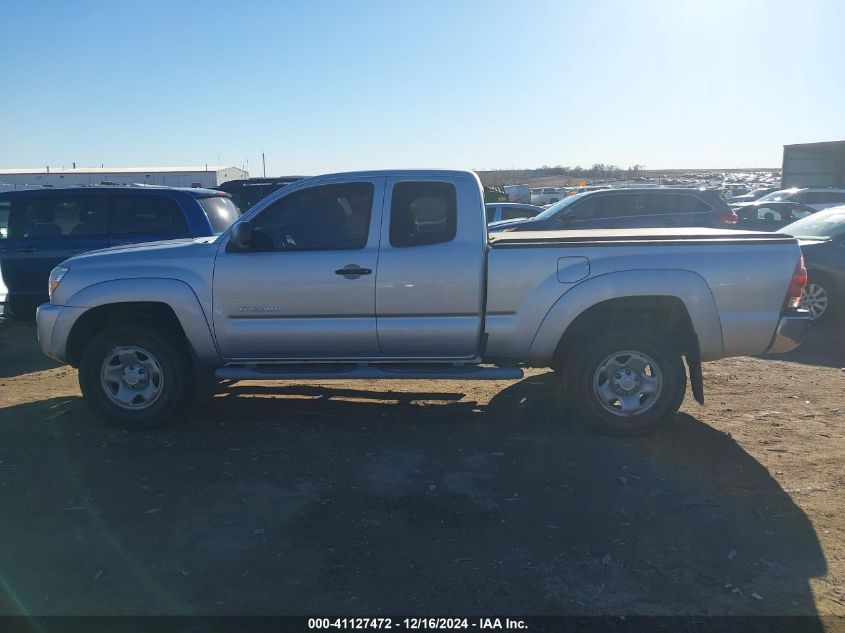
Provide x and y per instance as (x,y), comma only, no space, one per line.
(822,197)
(768,214)
(679,203)
(58,215)
(221,212)
(136,214)
(491,213)
(670,203)
(514,213)
(423,213)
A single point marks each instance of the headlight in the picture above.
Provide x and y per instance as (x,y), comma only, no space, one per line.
(56,276)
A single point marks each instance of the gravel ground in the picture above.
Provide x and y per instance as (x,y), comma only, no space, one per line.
(426,498)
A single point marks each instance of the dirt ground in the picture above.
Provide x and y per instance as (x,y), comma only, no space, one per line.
(426,498)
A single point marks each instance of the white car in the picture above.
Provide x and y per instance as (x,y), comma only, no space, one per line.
(497,211)
(547,195)
(816,197)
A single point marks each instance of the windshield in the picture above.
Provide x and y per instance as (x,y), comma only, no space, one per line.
(778,196)
(823,225)
(557,206)
(221,212)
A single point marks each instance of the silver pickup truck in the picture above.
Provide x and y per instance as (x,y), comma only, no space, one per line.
(391,274)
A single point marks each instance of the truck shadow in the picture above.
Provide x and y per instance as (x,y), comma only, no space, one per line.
(339,501)
(19,351)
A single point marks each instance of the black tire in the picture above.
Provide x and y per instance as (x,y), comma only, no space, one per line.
(174,377)
(583,372)
(814,282)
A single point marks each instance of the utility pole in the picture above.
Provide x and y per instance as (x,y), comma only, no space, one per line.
(263,164)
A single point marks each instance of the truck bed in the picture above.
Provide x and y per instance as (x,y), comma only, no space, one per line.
(628,236)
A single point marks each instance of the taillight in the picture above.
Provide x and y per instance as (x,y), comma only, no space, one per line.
(728,218)
(796,285)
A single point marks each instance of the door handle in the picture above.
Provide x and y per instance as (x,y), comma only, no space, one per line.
(353,270)
(27,250)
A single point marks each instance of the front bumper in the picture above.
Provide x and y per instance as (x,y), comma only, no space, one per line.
(53,325)
(790,331)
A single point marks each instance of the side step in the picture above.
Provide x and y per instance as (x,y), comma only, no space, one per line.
(355,371)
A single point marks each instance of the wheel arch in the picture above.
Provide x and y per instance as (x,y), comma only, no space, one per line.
(169,302)
(680,300)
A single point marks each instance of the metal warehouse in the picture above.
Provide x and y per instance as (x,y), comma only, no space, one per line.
(814,164)
(170,176)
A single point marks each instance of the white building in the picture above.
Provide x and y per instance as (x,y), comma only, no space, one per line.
(170,176)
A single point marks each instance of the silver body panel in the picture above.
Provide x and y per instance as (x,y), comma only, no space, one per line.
(509,298)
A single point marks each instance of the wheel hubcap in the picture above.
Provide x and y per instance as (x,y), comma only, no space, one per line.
(131,377)
(627,383)
(814,299)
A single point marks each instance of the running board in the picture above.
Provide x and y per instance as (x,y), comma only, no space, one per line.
(352,371)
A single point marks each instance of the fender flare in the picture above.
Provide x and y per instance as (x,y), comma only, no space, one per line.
(688,286)
(174,293)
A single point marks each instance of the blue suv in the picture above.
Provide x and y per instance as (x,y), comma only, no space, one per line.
(40,228)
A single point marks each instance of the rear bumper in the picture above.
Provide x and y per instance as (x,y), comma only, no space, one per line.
(790,331)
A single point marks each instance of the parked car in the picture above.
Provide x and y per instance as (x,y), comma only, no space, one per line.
(818,198)
(391,274)
(769,216)
(629,208)
(246,193)
(45,226)
(751,196)
(822,239)
(497,211)
(518,193)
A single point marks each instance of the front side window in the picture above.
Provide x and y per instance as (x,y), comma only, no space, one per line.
(57,216)
(141,213)
(423,213)
(584,210)
(797,213)
(491,213)
(329,217)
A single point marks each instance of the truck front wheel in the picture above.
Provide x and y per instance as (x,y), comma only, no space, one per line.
(627,384)
(133,376)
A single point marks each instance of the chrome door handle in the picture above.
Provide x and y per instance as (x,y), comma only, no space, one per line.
(353,270)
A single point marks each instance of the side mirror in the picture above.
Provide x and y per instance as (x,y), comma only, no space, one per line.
(240,239)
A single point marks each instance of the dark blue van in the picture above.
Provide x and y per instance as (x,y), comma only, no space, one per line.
(40,228)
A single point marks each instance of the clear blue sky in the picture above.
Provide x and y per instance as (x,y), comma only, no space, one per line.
(325,86)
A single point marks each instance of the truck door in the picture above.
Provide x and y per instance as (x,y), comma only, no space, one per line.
(306,290)
(430,284)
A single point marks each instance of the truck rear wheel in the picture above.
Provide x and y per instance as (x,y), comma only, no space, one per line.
(627,384)
(133,376)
